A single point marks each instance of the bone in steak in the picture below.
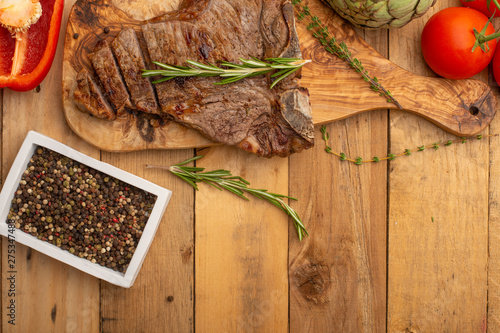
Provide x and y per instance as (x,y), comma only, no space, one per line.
(246,113)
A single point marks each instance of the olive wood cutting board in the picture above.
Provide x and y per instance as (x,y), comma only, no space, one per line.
(463,107)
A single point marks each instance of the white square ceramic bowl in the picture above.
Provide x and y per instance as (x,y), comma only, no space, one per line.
(34,140)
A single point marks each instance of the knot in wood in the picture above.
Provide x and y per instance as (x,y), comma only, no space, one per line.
(313,282)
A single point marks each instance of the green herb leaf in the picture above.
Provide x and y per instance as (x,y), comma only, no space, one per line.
(223,179)
(330,44)
(234,72)
(407,152)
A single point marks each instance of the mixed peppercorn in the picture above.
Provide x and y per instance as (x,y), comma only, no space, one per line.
(80,210)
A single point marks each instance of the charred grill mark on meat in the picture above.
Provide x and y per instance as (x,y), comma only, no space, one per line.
(129,56)
(89,96)
(106,68)
(246,114)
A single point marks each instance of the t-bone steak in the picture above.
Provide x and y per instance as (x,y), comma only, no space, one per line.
(247,113)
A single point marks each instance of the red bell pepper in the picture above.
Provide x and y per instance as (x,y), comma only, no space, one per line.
(26,55)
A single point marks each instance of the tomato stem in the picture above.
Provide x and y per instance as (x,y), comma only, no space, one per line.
(497,5)
(481,39)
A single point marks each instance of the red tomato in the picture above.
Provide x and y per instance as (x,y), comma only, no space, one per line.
(447,41)
(482,6)
(495,64)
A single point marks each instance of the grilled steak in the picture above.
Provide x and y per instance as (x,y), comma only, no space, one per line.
(108,72)
(131,61)
(89,97)
(247,113)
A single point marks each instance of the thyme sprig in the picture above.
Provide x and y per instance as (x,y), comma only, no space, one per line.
(340,50)
(407,152)
(233,72)
(224,180)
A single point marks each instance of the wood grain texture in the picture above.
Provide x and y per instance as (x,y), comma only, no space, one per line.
(494,232)
(494,221)
(336,91)
(161,299)
(241,249)
(337,275)
(129,132)
(439,278)
(51,296)
(438,217)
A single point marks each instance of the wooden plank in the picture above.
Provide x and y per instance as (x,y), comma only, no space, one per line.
(438,216)
(494,231)
(241,249)
(161,299)
(49,294)
(338,274)
(494,221)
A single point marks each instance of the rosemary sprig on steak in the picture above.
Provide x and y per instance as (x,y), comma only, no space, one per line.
(233,72)
(223,179)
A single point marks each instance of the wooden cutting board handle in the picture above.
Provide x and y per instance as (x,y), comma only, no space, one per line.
(461,107)
(464,107)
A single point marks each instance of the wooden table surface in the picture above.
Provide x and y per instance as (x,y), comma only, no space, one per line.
(410,245)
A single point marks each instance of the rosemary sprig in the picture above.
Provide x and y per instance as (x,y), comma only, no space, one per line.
(407,152)
(223,179)
(233,72)
(340,50)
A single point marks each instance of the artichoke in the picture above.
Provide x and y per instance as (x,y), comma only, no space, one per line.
(380,13)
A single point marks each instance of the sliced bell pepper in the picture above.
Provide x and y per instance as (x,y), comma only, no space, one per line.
(28,41)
